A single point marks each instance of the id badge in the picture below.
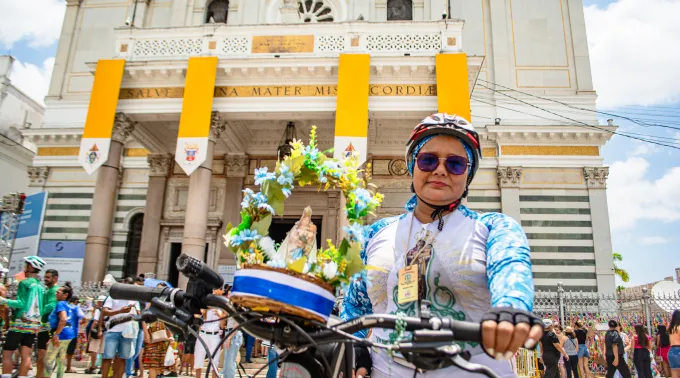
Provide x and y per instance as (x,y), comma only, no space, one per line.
(408,284)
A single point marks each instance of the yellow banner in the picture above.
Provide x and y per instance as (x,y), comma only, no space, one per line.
(351,114)
(104,99)
(194,122)
(453,92)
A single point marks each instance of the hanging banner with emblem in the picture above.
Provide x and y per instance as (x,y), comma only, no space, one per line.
(351,113)
(453,91)
(94,147)
(194,122)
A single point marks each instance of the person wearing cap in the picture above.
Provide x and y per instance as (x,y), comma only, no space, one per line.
(552,349)
(94,342)
(614,350)
(26,318)
(469,266)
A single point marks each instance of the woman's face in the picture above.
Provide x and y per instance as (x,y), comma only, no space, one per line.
(440,187)
(61,296)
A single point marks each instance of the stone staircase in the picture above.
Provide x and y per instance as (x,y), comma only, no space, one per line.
(250,369)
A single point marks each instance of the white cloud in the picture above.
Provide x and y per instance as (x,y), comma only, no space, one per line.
(651,240)
(31,79)
(38,21)
(633,51)
(633,198)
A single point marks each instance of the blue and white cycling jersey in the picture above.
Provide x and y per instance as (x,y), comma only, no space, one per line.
(476,262)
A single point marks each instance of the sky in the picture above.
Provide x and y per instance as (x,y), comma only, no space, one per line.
(636,72)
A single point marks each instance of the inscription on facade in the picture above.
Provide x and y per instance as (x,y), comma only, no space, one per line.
(283,44)
(395,90)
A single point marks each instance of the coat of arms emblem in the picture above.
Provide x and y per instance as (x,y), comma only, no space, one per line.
(350,152)
(190,151)
(93,154)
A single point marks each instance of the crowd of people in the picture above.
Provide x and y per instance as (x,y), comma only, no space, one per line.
(47,316)
(564,352)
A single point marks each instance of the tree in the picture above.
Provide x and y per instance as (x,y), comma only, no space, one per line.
(622,273)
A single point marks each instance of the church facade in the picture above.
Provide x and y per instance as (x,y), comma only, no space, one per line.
(279,72)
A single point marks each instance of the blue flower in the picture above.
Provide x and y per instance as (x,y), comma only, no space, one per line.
(311,152)
(362,199)
(286,176)
(362,276)
(247,197)
(286,192)
(260,198)
(323,179)
(355,232)
(261,175)
(244,236)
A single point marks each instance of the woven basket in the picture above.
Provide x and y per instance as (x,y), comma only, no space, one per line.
(281,291)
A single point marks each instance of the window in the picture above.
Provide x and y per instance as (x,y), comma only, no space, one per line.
(217,12)
(399,10)
(134,241)
(315,11)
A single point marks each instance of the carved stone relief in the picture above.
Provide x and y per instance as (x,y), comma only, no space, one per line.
(37,176)
(509,177)
(596,177)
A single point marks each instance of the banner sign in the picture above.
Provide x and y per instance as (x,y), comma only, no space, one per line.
(194,122)
(351,114)
(453,87)
(94,147)
(227,273)
(28,231)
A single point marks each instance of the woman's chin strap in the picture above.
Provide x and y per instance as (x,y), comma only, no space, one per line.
(438,210)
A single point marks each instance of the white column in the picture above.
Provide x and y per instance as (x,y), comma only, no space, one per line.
(380,11)
(179,12)
(579,41)
(159,165)
(141,13)
(501,57)
(64,49)
(509,179)
(596,179)
(289,12)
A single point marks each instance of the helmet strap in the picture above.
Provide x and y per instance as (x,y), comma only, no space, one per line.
(437,214)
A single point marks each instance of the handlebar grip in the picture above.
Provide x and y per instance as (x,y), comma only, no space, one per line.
(196,269)
(467,331)
(135,292)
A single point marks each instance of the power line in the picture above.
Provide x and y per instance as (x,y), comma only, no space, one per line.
(644,124)
(583,124)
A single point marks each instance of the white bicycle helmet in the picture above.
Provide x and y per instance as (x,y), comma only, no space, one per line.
(35,262)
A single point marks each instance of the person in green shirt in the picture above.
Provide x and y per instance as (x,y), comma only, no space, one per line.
(25,322)
(50,278)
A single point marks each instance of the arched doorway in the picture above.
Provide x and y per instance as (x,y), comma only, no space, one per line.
(132,245)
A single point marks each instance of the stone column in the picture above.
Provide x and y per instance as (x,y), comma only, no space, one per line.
(196,216)
(596,179)
(141,13)
(98,242)
(178,13)
(159,165)
(509,179)
(236,172)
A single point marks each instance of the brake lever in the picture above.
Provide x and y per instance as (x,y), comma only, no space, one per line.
(460,362)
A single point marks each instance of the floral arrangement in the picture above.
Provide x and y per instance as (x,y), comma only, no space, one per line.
(335,265)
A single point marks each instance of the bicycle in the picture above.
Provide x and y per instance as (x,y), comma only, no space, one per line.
(306,345)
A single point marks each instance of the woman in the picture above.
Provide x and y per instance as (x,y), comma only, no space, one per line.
(663,345)
(674,352)
(563,339)
(156,341)
(626,348)
(642,344)
(188,356)
(571,347)
(63,321)
(479,266)
(582,334)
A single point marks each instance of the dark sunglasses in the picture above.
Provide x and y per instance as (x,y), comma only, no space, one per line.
(455,165)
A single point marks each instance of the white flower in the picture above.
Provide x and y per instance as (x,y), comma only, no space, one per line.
(330,270)
(306,268)
(267,245)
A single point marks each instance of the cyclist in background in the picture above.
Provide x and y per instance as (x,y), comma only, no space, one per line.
(50,279)
(469,266)
(26,318)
